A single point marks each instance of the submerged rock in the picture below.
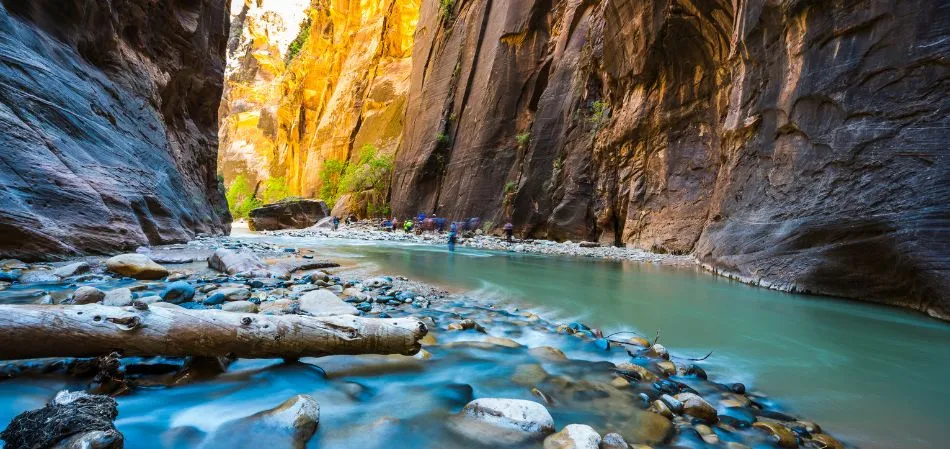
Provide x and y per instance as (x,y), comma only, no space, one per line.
(137,266)
(574,436)
(696,406)
(651,428)
(289,425)
(70,421)
(503,422)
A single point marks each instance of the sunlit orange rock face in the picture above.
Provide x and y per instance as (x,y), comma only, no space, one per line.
(284,114)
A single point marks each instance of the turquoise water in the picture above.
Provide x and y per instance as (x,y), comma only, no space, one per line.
(871,375)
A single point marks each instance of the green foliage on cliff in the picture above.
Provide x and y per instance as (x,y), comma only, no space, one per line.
(523,138)
(241,197)
(297,44)
(275,189)
(599,113)
(445,9)
(369,174)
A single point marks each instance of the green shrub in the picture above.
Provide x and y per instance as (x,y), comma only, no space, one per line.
(445,9)
(523,138)
(240,196)
(370,173)
(510,187)
(330,175)
(297,44)
(442,138)
(599,113)
(275,190)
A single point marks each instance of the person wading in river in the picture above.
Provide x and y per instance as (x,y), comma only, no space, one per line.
(407,226)
(509,231)
(453,236)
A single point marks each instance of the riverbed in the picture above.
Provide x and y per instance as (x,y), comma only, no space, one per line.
(869,374)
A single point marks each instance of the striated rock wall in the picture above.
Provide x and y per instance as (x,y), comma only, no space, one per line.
(108,121)
(799,143)
(346,88)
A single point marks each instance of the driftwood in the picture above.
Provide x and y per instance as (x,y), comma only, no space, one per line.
(36,331)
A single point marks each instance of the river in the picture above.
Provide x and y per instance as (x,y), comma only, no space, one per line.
(872,375)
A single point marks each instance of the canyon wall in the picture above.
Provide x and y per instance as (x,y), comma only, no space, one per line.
(108,124)
(342,86)
(800,144)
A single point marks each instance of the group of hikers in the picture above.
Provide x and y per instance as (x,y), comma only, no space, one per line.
(434,223)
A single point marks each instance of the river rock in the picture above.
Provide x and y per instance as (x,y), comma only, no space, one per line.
(696,406)
(70,421)
(10,276)
(240,306)
(325,303)
(289,425)
(281,306)
(502,422)
(651,428)
(119,297)
(293,214)
(137,266)
(178,292)
(87,295)
(779,433)
(38,277)
(574,436)
(825,441)
(613,440)
(548,353)
(232,262)
(72,269)
(232,294)
(529,374)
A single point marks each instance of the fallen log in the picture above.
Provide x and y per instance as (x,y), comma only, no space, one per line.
(91,330)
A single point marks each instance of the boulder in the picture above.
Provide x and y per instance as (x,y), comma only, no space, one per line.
(88,295)
(232,262)
(574,436)
(119,297)
(137,266)
(72,269)
(295,214)
(289,425)
(178,292)
(240,306)
(503,422)
(325,303)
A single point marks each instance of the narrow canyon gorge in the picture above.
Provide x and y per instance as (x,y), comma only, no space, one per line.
(796,144)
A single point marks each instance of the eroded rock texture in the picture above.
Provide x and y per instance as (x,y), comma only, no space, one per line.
(108,121)
(800,143)
(287,112)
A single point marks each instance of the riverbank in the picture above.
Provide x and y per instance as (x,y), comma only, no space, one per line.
(629,385)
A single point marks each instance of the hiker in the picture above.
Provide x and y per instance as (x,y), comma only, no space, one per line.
(453,236)
(387,225)
(509,231)
(336,222)
(407,226)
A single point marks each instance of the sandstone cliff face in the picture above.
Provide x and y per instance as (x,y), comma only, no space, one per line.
(797,143)
(346,88)
(108,124)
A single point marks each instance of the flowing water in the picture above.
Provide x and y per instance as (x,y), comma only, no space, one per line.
(872,376)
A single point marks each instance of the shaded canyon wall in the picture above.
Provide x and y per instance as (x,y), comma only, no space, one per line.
(108,124)
(800,144)
(284,114)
